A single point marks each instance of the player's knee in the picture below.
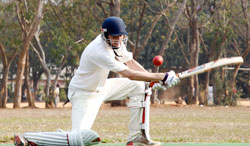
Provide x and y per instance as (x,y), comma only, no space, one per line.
(84,137)
(139,86)
(137,95)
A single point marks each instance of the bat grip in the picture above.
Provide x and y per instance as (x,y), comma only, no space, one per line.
(152,83)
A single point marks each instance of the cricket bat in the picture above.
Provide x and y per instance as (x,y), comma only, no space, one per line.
(210,65)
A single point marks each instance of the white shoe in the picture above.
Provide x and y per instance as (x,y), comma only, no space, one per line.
(143,141)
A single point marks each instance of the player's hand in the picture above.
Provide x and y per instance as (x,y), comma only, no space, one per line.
(157,85)
(170,79)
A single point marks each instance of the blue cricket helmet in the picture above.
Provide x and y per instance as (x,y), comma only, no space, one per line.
(114,26)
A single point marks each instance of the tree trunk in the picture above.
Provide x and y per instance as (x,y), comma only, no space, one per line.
(30,97)
(190,93)
(29,30)
(42,59)
(194,54)
(196,79)
(4,86)
(53,86)
(194,83)
(36,78)
(4,83)
(5,76)
(48,100)
(205,97)
(4,89)
(248,83)
(114,7)
(20,71)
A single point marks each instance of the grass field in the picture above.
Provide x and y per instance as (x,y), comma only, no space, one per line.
(176,126)
(172,144)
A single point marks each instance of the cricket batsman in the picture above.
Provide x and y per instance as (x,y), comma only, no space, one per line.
(90,85)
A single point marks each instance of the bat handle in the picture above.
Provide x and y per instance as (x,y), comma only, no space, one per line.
(152,83)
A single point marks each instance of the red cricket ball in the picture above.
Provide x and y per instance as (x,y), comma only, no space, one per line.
(158,60)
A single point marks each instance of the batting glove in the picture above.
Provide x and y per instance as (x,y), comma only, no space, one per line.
(170,79)
(157,85)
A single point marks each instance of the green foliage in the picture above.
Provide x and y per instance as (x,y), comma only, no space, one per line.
(64,24)
(10,94)
(63,95)
(131,12)
(225,94)
(10,31)
(5,139)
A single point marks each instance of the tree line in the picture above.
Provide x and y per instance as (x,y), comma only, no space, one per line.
(47,36)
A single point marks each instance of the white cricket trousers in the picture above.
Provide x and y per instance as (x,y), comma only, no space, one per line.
(86,104)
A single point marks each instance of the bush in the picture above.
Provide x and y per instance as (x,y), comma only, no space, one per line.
(62,95)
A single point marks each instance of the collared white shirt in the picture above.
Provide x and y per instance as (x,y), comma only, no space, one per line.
(97,60)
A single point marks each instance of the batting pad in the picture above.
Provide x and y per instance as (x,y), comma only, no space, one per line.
(81,138)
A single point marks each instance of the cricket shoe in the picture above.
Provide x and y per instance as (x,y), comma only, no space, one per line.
(143,141)
(95,141)
(19,140)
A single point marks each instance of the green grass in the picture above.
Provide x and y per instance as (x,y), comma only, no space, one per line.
(188,144)
(169,124)
(183,124)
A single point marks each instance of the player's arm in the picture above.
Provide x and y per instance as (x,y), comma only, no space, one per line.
(134,65)
(136,71)
(142,75)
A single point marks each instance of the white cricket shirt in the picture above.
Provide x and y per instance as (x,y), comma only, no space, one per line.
(97,60)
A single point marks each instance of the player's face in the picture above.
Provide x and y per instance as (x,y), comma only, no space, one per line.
(116,41)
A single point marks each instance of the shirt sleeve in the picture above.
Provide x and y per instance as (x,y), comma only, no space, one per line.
(108,62)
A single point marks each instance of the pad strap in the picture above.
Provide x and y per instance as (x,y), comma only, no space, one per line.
(140,104)
(148,92)
(143,126)
(75,138)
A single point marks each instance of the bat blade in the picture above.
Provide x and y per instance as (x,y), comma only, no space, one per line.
(210,65)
